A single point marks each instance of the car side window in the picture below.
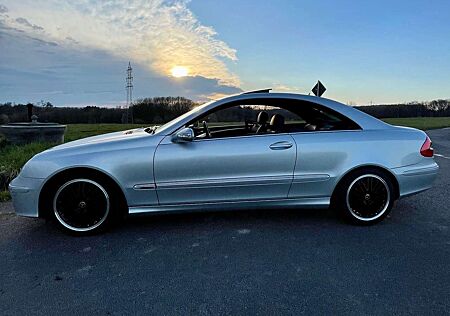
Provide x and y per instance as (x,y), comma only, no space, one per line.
(320,118)
(269,116)
(244,120)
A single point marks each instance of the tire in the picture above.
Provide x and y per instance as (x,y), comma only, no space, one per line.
(365,197)
(84,205)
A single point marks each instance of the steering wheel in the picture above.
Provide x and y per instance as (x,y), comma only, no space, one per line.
(249,125)
(206,129)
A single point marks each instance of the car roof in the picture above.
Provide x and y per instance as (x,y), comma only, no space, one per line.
(362,119)
(366,121)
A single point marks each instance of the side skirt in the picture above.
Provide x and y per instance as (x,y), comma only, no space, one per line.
(317,202)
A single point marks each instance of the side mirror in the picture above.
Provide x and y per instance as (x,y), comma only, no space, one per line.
(183,136)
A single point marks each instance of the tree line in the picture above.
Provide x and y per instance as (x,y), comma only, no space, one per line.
(148,110)
(158,110)
(438,108)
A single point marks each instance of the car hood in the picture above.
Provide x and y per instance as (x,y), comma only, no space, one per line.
(97,151)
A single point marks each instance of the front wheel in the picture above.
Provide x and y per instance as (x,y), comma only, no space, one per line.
(365,197)
(83,206)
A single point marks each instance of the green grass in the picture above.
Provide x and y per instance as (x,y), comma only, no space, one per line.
(77,131)
(422,123)
(13,157)
(4,196)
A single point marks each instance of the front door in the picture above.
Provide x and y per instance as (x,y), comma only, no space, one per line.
(245,168)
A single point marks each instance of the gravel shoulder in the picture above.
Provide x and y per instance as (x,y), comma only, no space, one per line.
(6,208)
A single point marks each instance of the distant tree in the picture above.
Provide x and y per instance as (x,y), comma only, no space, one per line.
(438,105)
(160,109)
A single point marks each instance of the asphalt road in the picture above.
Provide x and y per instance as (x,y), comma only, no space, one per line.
(266,262)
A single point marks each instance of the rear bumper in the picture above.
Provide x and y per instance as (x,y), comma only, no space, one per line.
(25,195)
(416,178)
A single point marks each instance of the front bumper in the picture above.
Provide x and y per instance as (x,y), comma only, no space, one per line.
(416,178)
(25,195)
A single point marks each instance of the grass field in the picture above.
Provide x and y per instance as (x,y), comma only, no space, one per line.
(77,131)
(12,157)
(422,123)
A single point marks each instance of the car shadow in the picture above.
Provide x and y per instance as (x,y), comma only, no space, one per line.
(247,217)
(45,234)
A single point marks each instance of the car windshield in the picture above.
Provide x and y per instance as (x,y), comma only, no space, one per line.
(164,127)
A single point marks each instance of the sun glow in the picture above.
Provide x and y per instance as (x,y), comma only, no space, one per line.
(179,71)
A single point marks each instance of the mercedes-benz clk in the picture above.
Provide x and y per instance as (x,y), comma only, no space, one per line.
(248,151)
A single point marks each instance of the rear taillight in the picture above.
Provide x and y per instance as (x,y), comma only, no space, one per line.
(426,150)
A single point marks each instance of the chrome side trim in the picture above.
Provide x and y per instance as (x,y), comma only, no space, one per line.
(317,202)
(311,178)
(223,182)
(144,186)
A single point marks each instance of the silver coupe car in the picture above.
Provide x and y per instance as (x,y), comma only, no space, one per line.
(248,151)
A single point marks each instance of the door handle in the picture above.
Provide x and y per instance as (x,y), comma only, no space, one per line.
(281,145)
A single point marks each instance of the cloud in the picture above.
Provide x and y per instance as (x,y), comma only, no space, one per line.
(9,31)
(3,9)
(278,87)
(25,22)
(33,69)
(158,34)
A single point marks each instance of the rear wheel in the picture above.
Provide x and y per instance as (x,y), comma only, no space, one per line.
(84,206)
(365,197)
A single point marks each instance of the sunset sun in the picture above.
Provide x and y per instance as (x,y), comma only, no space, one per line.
(179,71)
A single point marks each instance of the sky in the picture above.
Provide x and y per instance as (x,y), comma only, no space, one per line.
(75,53)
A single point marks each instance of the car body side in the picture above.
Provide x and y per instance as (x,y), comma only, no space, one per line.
(322,159)
(127,161)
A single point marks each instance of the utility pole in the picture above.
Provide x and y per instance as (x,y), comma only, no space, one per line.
(129,88)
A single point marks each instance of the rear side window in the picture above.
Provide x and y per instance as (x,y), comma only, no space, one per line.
(303,116)
(320,118)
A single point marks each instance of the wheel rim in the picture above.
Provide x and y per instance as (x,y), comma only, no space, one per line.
(368,197)
(81,205)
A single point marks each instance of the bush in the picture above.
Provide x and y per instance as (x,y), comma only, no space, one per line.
(4,196)
(2,141)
